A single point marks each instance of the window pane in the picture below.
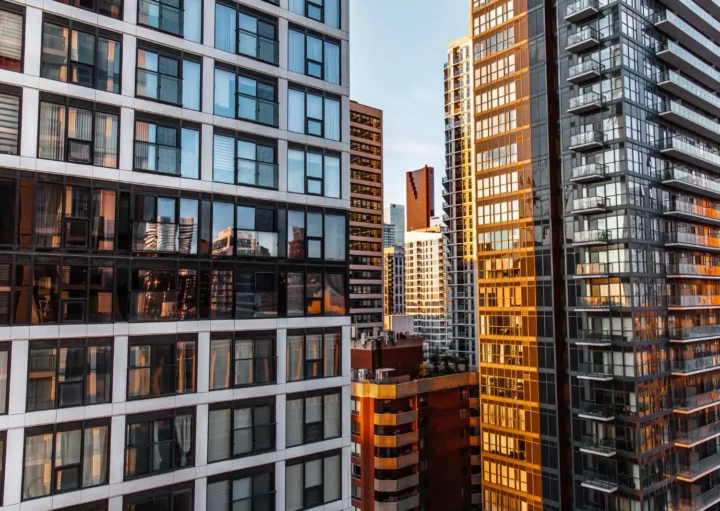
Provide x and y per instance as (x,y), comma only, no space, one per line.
(313,293)
(10,122)
(297,52)
(224,159)
(296,111)
(298,7)
(11,43)
(335,294)
(95,456)
(55,42)
(332,13)
(4,359)
(332,63)
(296,234)
(48,215)
(313,473)
(296,171)
(294,488)
(99,370)
(295,294)
(82,57)
(71,374)
(223,223)
(37,466)
(335,241)
(190,154)
(332,416)
(185,367)
(218,496)
(191,84)
(220,364)
(332,119)
(108,66)
(331,478)
(192,21)
(332,355)
(294,428)
(221,294)
(224,93)
(332,177)
(41,379)
(67,452)
(218,435)
(106,140)
(51,139)
(242,436)
(225,28)
(80,135)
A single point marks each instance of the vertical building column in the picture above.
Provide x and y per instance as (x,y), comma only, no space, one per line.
(120,362)
(208,86)
(117,451)
(30,108)
(283,43)
(129,59)
(282,158)
(206,152)
(127,138)
(14,445)
(280,486)
(280,418)
(18,380)
(33,45)
(283,112)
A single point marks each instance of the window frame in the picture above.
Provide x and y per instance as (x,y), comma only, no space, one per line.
(169,123)
(324,153)
(324,213)
(10,90)
(19,10)
(96,7)
(248,473)
(323,271)
(324,96)
(59,344)
(304,396)
(259,79)
(161,340)
(324,38)
(61,427)
(305,459)
(169,53)
(97,33)
(304,333)
(252,405)
(67,103)
(149,418)
(132,499)
(238,136)
(181,16)
(322,10)
(254,336)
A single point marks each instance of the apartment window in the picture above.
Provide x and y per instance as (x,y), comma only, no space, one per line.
(242,160)
(242,359)
(312,481)
(167,146)
(178,497)
(182,18)
(99,505)
(356,491)
(246,490)
(313,354)
(159,442)
(313,54)
(255,294)
(240,429)
(78,131)
(168,76)
(81,54)
(12,22)
(161,365)
(9,116)
(314,172)
(67,373)
(309,294)
(312,235)
(324,11)
(247,231)
(245,32)
(313,417)
(314,113)
(165,225)
(65,457)
(110,8)
(355,449)
(245,97)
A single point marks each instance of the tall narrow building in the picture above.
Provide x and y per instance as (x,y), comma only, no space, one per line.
(394,276)
(366,222)
(419,198)
(394,215)
(174,255)
(459,197)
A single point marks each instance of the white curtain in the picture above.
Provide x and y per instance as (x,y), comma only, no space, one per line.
(11,29)
(218,435)
(332,354)
(334,238)
(296,111)
(220,364)
(218,496)
(332,119)
(106,140)
(38,460)
(331,478)
(332,13)
(51,140)
(243,422)
(191,85)
(332,416)
(95,456)
(294,487)
(224,93)
(183,435)
(294,357)
(332,63)
(298,7)
(313,473)
(296,171)
(296,51)
(294,426)
(332,177)
(224,159)
(225,28)
(190,154)
(192,20)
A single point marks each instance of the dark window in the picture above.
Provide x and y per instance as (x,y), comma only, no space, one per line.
(313,54)
(312,236)
(313,354)
(256,294)
(165,146)
(314,172)
(9,116)
(251,490)
(244,161)
(111,8)
(69,373)
(159,442)
(78,131)
(312,417)
(320,295)
(182,18)
(161,365)
(178,497)
(165,225)
(65,457)
(168,76)
(245,96)
(242,359)
(12,21)
(80,54)
(312,481)
(241,428)
(245,32)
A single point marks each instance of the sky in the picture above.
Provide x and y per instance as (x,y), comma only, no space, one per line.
(397,52)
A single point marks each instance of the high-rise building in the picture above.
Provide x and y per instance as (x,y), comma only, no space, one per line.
(366,223)
(174,263)
(394,273)
(412,431)
(459,197)
(426,287)
(395,215)
(389,239)
(420,198)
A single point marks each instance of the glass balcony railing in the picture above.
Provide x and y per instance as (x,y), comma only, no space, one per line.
(694,301)
(680,206)
(601,411)
(695,364)
(590,203)
(698,270)
(600,337)
(690,59)
(600,302)
(592,370)
(584,37)
(696,468)
(588,172)
(695,153)
(577,10)
(585,102)
(697,401)
(696,240)
(591,269)
(602,446)
(592,236)
(702,501)
(686,113)
(583,69)
(695,332)
(682,175)
(691,87)
(586,139)
(603,482)
(697,435)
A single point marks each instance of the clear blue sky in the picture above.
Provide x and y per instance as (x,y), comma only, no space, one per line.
(397,52)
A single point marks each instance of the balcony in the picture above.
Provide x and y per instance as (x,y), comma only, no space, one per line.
(694,333)
(396,485)
(399,503)
(581,9)
(689,119)
(697,16)
(594,480)
(591,271)
(401,461)
(696,365)
(677,207)
(587,173)
(683,149)
(596,411)
(694,302)
(584,71)
(595,372)
(702,502)
(680,177)
(679,57)
(698,435)
(586,141)
(590,205)
(594,338)
(585,103)
(689,240)
(698,402)
(687,35)
(691,271)
(596,303)
(690,91)
(397,440)
(395,419)
(592,237)
(583,39)
(695,470)
(604,447)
